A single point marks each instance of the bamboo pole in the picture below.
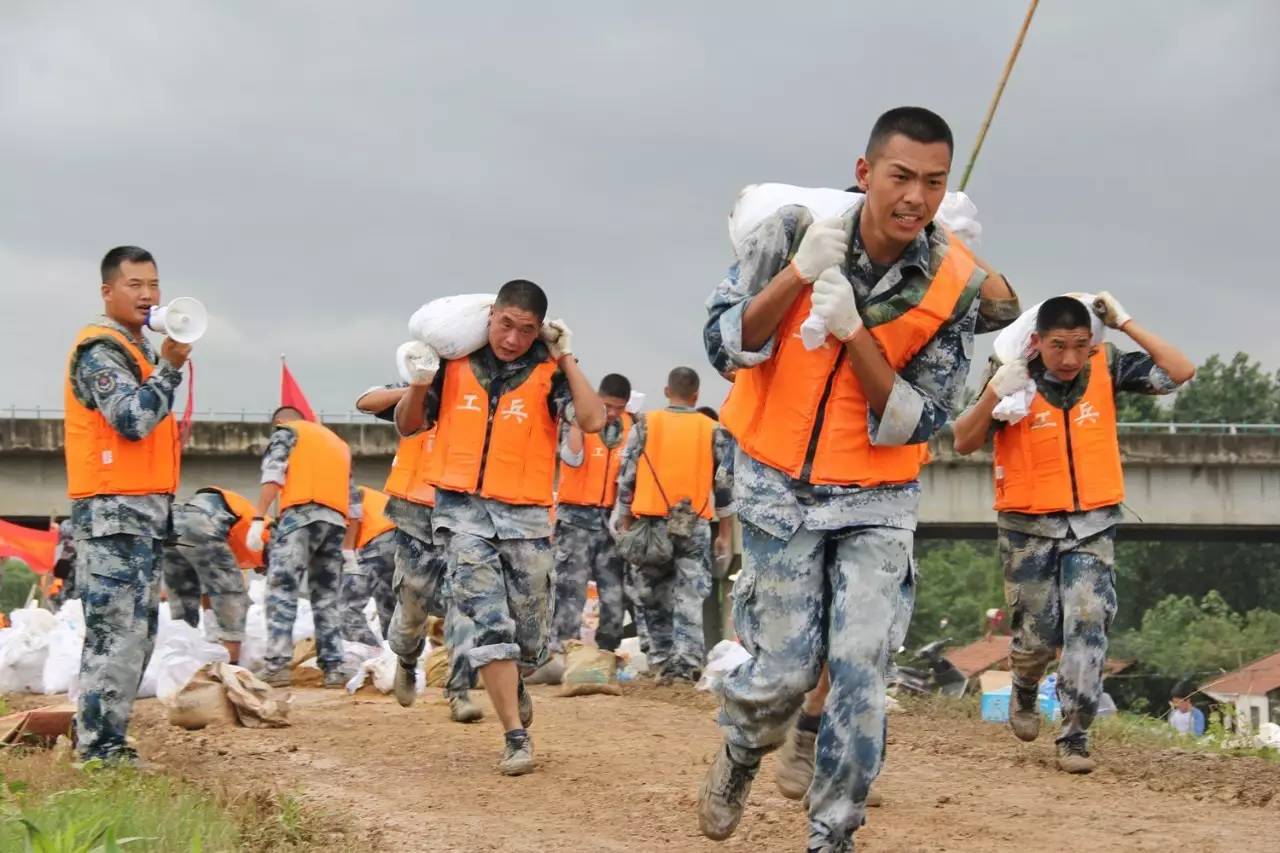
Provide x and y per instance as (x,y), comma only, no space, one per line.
(995,101)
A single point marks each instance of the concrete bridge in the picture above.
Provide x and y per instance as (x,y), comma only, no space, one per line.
(1217,483)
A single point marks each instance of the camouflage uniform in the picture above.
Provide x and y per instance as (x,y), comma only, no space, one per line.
(200,560)
(307,540)
(1059,568)
(118,545)
(372,578)
(585,551)
(65,563)
(672,596)
(500,558)
(827,570)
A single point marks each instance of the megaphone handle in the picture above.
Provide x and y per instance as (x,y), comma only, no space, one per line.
(184,422)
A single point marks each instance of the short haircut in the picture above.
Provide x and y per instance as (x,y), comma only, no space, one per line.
(915,123)
(683,382)
(709,412)
(284,409)
(525,295)
(112,260)
(1062,312)
(616,385)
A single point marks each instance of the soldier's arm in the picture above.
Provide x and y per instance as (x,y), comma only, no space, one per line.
(627,475)
(1167,370)
(355,516)
(275,467)
(419,408)
(998,304)
(104,377)
(974,427)
(380,401)
(722,486)
(572,445)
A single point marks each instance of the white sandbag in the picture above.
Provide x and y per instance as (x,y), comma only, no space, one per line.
(355,654)
(304,625)
(636,404)
(454,326)
(65,644)
(636,662)
(381,671)
(254,647)
(725,656)
(26,650)
(183,652)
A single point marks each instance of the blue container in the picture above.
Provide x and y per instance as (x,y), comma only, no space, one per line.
(995,706)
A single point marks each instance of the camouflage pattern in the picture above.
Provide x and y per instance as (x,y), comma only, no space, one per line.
(458,512)
(120,589)
(843,597)
(421,590)
(672,597)
(995,314)
(313,550)
(503,586)
(372,578)
(413,518)
(1062,595)
(66,555)
(200,560)
(722,447)
(275,469)
(584,554)
(632,586)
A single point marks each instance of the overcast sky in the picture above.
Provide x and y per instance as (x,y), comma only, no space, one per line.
(315,171)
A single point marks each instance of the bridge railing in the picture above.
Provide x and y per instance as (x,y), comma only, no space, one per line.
(235,416)
(1169,428)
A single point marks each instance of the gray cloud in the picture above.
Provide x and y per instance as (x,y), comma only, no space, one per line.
(314,174)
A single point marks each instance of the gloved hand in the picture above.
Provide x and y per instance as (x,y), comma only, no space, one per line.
(833,302)
(350,563)
(1110,311)
(418,363)
(823,245)
(558,337)
(1010,378)
(253,539)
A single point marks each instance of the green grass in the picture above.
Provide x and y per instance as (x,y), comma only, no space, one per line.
(1139,730)
(15,584)
(48,807)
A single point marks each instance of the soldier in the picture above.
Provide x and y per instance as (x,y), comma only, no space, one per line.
(669,472)
(419,583)
(307,467)
(496,415)
(1059,484)
(831,442)
(122,453)
(64,565)
(372,576)
(585,548)
(205,556)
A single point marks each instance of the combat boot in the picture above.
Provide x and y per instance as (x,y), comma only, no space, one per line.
(795,764)
(335,678)
(1073,755)
(282,677)
(405,685)
(1024,713)
(463,710)
(724,796)
(525,702)
(517,757)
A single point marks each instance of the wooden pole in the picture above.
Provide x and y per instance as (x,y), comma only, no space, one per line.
(995,101)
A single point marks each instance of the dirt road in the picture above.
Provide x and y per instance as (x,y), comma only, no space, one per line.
(621,774)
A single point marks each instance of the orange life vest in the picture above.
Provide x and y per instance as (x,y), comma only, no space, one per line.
(101,461)
(1042,467)
(774,408)
(515,450)
(408,477)
(595,481)
(373,518)
(244,510)
(678,444)
(319,469)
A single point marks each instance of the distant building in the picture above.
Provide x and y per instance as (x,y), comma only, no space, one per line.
(1254,690)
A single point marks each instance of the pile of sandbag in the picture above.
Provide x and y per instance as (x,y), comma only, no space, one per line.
(24,650)
(220,693)
(589,670)
(254,646)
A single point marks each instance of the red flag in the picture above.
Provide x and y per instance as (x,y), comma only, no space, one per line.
(34,547)
(291,395)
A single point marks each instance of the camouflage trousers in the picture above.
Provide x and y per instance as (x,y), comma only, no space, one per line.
(503,586)
(583,554)
(314,551)
(844,597)
(1062,595)
(119,580)
(421,590)
(631,586)
(372,578)
(671,597)
(212,569)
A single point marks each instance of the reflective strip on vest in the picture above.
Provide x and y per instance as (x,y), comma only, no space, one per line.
(319,469)
(516,449)
(408,477)
(243,509)
(1040,467)
(595,481)
(773,409)
(679,444)
(373,516)
(100,461)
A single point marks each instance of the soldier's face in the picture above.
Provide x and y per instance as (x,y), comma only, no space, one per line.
(1064,351)
(613,407)
(129,297)
(512,331)
(905,184)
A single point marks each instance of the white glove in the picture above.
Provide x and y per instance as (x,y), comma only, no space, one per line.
(833,302)
(1110,311)
(558,337)
(418,363)
(824,245)
(349,561)
(1010,378)
(253,539)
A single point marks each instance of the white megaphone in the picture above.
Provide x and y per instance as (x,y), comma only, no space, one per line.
(184,319)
